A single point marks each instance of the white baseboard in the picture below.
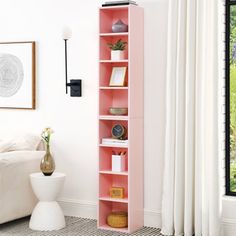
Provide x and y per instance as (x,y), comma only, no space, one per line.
(229,227)
(87,209)
(152,218)
(84,209)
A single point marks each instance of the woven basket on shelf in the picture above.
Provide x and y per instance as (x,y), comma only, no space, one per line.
(118,219)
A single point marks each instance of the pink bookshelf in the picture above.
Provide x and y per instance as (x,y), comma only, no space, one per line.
(130,96)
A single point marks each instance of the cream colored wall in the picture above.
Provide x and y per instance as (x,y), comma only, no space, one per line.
(75,119)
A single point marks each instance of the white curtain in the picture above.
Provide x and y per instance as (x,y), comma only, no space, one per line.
(191,197)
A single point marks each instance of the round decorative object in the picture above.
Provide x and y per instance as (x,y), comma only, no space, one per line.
(47,164)
(11,75)
(118,219)
(118,131)
(119,26)
(118,111)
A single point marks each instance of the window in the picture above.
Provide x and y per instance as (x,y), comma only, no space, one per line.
(231,97)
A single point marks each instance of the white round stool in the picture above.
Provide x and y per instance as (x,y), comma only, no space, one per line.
(47,214)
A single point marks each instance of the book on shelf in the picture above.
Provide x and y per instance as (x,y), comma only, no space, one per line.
(112,141)
(118,3)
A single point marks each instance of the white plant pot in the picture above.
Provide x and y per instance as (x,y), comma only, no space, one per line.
(117,55)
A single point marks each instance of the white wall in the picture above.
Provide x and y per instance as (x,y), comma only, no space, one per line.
(75,119)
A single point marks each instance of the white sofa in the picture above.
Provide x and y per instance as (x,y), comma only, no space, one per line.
(16,197)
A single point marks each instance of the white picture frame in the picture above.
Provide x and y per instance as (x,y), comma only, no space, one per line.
(17,75)
(118,77)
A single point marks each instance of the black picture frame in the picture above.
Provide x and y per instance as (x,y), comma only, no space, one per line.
(228,4)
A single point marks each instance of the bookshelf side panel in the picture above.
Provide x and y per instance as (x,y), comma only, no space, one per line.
(136,182)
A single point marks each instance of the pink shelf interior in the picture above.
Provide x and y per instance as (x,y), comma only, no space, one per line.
(108,181)
(106,159)
(105,51)
(106,71)
(105,127)
(109,16)
(112,98)
(105,208)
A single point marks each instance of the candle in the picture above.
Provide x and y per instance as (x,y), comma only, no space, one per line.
(67,33)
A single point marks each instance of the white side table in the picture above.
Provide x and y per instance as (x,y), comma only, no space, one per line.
(47,214)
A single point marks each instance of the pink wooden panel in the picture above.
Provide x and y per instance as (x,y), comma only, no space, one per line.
(136,119)
(120,98)
(104,130)
(117,206)
(136,72)
(105,209)
(136,183)
(105,158)
(105,52)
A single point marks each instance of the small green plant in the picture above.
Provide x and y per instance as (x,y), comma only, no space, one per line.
(119,45)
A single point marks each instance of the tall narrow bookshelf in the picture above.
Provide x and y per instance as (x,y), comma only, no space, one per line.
(130,96)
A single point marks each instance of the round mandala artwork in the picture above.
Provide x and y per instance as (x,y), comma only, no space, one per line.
(11,74)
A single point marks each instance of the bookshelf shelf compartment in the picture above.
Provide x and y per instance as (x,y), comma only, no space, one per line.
(105,160)
(105,127)
(105,51)
(109,16)
(105,208)
(108,181)
(106,71)
(130,96)
(112,98)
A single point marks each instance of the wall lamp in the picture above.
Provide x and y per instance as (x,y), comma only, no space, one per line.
(75,84)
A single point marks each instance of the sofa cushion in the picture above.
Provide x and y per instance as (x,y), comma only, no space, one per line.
(5,146)
(28,142)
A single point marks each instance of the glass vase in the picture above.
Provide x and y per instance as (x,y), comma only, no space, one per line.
(47,164)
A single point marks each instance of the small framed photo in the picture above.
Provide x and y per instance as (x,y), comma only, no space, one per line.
(118,76)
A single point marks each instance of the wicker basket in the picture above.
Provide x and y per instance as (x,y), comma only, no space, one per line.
(118,219)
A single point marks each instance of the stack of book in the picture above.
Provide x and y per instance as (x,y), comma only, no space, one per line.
(119,3)
(112,141)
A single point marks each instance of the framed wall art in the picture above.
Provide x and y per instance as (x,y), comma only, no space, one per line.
(118,76)
(17,75)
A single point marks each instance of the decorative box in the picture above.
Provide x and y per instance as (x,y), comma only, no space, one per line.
(117,192)
(118,163)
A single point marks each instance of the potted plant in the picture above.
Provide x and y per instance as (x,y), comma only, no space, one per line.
(117,50)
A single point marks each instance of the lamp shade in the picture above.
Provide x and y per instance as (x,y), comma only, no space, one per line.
(67,33)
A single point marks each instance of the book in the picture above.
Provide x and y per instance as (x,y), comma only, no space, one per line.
(118,3)
(111,141)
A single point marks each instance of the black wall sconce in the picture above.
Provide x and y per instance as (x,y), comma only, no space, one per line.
(75,84)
